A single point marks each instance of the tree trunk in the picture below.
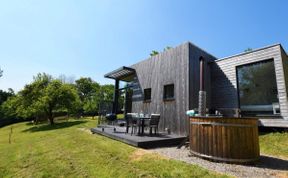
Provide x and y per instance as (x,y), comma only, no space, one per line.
(50,117)
(51,120)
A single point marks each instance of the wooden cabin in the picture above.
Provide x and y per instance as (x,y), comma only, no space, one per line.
(248,84)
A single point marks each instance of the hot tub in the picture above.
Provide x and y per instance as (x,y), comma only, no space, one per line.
(232,140)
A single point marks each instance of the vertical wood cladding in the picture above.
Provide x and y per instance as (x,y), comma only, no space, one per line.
(178,66)
(224,80)
(169,67)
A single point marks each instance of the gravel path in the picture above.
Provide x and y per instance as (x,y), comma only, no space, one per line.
(267,167)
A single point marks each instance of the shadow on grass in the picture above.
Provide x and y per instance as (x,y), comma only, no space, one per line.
(47,127)
(273,163)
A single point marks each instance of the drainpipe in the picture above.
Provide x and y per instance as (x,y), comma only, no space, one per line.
(202,92)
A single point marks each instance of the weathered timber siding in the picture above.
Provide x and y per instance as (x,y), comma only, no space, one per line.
(285,73)
(224,80)
(169,67)
(194,75)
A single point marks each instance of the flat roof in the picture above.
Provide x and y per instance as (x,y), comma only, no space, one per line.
(244,53)
(123,73)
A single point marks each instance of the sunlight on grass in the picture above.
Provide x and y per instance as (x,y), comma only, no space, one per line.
(275,144)
(68,149)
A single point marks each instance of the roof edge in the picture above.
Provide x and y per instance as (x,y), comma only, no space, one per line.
(258,49)
(116,70)
(201,49)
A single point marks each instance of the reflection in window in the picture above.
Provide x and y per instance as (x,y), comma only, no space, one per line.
(257,88)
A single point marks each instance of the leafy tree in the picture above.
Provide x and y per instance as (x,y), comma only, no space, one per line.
(5,95)
(89,92)
(107,92)
(154,53)
(30,99)
(91,105)
(58,96)
(86,87)
(43,98)
(9,107)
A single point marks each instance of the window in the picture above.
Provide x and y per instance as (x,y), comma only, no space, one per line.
(257,89)
(147,94)
(168,92)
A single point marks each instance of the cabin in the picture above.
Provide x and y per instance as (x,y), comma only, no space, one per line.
(249,84)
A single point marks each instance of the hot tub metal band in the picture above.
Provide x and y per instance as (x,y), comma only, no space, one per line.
(221,124)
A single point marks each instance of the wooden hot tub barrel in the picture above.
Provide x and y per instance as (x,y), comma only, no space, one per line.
(232,140)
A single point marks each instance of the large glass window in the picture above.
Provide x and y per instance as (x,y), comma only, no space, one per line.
(257,88)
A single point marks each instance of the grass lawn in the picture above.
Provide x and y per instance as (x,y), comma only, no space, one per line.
(275,144)
(67,149)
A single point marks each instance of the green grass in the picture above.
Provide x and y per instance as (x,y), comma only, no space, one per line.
(120,116)
(68,150)
(275,144)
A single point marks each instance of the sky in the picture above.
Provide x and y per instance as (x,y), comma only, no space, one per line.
(90,38)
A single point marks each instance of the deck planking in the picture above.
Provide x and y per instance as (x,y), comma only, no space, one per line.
(142,141)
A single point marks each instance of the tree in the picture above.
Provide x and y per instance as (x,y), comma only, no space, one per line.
(89,93)
(58,96)
(86,87)
(154,53)
(91,105)
(9,107)
(44,97)
(5,95)
(107,92)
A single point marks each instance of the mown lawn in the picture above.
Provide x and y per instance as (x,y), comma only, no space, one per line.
(275,144)
(69,150)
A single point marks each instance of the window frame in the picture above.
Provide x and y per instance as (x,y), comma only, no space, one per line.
(165,88)
(238,86)
(145,99)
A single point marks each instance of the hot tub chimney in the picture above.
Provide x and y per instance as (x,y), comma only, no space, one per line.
(202,92)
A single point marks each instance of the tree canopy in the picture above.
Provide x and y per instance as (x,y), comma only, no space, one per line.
(42,98)
(46,97)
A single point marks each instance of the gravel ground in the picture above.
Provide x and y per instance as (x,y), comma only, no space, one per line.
(267,166)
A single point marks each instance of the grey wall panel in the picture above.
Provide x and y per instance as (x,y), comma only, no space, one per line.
(224,80)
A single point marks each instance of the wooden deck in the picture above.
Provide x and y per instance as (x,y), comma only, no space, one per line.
(143,141)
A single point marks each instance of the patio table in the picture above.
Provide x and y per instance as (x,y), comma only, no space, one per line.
(142,123)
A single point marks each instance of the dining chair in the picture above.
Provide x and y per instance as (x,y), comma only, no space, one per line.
(153,123)
(132,122)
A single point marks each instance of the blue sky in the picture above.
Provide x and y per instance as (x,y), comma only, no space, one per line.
(90,38)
